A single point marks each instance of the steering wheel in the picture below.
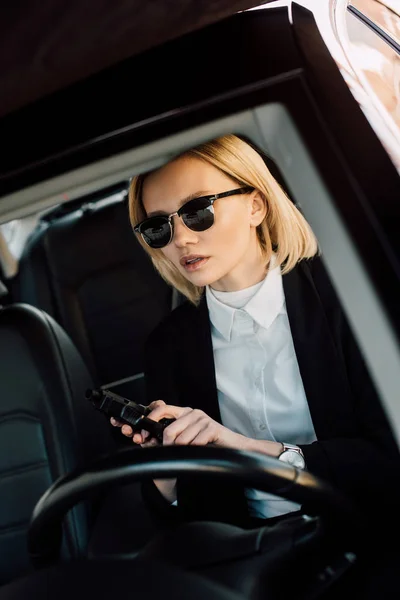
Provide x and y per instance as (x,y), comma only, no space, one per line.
(253,470)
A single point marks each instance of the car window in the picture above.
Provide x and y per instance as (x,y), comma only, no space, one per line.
(16,232)
(13,236)
(373,34)
(384,14)
(366,50)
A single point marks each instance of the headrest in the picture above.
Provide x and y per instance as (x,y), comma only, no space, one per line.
(89,203)
(3,290)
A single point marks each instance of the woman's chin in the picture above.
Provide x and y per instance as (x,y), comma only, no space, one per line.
(200,279)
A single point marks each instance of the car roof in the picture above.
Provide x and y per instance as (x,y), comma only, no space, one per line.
(52,44)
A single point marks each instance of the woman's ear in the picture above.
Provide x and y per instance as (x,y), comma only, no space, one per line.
(258,209)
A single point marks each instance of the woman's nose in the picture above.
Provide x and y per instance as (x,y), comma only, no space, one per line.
(182,234)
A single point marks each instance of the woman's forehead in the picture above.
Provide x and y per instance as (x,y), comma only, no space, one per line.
(179,179)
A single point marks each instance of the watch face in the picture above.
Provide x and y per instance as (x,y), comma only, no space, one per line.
(293,458)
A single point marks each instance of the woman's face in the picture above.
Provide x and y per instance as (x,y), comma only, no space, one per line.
(229,249)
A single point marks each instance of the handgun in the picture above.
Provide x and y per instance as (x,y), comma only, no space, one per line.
(127,411)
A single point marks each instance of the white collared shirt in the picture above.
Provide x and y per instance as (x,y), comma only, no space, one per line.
(260,390)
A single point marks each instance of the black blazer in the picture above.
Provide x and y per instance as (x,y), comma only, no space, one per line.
(355,451)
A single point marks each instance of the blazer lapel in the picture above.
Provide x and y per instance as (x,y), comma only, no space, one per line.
(198,360)
(320,367)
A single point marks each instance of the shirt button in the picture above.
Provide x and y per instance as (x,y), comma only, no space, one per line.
(262,427)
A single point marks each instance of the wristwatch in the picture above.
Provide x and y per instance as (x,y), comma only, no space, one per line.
(293,456)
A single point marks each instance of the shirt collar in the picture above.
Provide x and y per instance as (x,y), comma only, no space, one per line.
(263,307)
(221,315)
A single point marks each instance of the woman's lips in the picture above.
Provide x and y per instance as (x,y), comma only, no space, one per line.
(195,266)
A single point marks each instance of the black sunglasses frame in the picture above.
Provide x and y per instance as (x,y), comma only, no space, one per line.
(168,218)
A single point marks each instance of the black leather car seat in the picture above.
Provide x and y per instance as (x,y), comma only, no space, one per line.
(46,428)
(87,270)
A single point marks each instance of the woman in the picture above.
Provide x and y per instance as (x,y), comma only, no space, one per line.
(261,357)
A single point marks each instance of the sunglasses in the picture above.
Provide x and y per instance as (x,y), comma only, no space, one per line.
(197,215)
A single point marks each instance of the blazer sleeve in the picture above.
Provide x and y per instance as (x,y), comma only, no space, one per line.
(366,466)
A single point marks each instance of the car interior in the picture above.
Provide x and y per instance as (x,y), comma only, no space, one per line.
(72,265)
(76,314)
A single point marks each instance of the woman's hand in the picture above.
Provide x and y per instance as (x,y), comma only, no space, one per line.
(193,427)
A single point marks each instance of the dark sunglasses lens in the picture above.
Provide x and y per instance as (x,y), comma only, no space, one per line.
(156,232)
(198,214)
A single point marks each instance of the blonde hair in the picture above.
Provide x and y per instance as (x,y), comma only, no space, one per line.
(284,230)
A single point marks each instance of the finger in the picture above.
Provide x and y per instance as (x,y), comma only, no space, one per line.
(115,423)
(145,434)
(183,435)
(156,403)
(198,431)
(168,411)
(127,430)
(205,437)
(137,438)
(185,429)
(151,443)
